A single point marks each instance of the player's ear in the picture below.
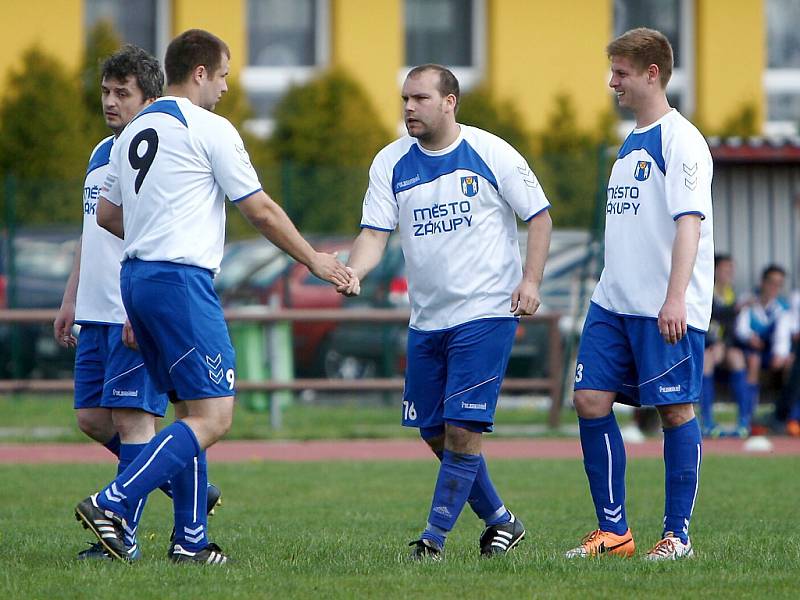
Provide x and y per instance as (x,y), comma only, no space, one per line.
(200,72)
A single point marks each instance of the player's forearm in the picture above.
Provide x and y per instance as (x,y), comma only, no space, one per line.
(684,253)
(275,225)
(71,289)
(367,251)
(537,248)
(109,217)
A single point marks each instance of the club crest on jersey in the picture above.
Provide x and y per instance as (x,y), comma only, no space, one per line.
(642,171)
(469,185)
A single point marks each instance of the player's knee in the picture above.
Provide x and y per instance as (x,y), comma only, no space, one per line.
(592,404)
(98,428)
(134,426)
(463,437)
(675,415)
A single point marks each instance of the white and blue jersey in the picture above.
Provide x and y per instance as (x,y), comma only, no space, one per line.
(98,299)
(662,172)
(171,169)
(455,210)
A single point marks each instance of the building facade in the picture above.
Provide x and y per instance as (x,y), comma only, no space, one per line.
(732,56)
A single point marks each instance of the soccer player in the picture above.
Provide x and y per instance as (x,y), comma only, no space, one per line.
(453,191)
(643,338)
(164,194)
(115,402)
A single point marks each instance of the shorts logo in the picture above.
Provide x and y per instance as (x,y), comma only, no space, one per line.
(473,406)
(666,389)
(125,393)
(642,171)
(469,185)
(215,368)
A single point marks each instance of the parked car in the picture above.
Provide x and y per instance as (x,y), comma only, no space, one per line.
(42,264)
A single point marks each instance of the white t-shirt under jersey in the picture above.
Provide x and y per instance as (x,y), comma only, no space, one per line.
(98,299)
(171,169)
(455,212)
(663,171)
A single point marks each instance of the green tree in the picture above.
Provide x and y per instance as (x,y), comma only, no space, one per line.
(42,142)
(326,134)
(101,43)
(501,118)
(569,163)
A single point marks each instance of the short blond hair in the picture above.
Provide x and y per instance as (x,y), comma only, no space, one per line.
(644,47)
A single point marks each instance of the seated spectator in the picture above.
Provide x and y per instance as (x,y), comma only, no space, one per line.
(756,327)
(787,341)
(722,352)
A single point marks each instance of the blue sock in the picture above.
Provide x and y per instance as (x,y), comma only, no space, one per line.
(746,412)
(682,455)
(707,402)
(165,455)
(127,453)
(604,462)
(741,394)
(484,499)
(189,493)
(113,445)
(456,477)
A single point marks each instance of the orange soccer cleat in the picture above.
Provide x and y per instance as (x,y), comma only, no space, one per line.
(793,428)
(600,543)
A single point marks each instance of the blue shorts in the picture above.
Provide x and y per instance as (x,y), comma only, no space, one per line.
(454,375)
(627,355)
(179,326)
(110,375)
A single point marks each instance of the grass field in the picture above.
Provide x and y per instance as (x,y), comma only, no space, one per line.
(339,530)
(30,418)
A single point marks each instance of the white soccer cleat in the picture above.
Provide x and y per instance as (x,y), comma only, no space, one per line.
(670,548)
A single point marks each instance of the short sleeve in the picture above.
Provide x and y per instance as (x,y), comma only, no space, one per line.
(688,176)
(380,210)
(231,164)
(111,188)
(518,184)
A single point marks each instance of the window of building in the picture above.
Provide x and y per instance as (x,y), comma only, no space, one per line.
(447,32)
(287,43)
(674,19)
(782,77)
(145,23)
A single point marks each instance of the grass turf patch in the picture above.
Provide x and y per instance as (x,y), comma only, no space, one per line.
(339,530)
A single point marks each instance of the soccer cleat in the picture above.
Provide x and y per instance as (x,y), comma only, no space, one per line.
(670,548)
(96,551)
(425,549)
(210,555)
(499,539)
(599,543)
(712,432)
(106,525)
(213,500)
(793,428)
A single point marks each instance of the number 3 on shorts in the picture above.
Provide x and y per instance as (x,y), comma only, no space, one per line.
(579,373)
(409,412)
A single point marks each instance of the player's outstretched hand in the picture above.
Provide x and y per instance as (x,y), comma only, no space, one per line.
(351,289)
(62,327)
(329,268)
(128,337)
(672,320)
(526,299)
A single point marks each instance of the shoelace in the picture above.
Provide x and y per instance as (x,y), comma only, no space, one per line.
(663,548)
(590,537)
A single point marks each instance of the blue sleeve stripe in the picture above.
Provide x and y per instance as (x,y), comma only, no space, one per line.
(538,212)
(364,226)
(247,195)
(690,212)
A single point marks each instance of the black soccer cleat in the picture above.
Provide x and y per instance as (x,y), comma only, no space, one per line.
(210,555)
(499,539)
(105,525)
(213,500)
(95,551)
(426,550)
